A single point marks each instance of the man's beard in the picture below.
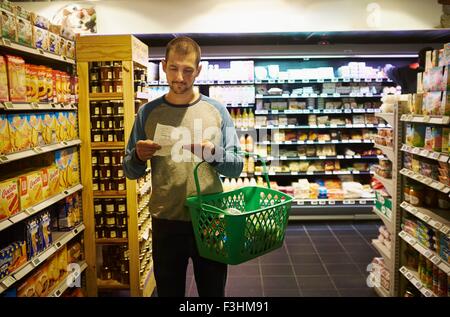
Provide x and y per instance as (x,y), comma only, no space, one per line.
(180,89)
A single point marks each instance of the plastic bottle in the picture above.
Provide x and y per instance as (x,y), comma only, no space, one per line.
(253,182)
(243,142)
(251,119)
(233,184)
(245,167)
(245,119)
(239,183)
(251,165)
(246,182)
(249,143)
(226,185)
(238,122)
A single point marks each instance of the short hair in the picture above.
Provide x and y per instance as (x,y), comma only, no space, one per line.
(184,45)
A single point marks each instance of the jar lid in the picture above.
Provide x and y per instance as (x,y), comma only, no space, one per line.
(110,227)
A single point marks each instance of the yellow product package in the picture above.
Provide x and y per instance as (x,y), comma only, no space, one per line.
(17,78)
(49,84)
(5,141)
(42,83)
(20,132)
(9,198)
(30,189)
(50,180)
(62,126)
(4,95)
(62,158)
(72,131)
(49,124)
(37,129)
(73,176)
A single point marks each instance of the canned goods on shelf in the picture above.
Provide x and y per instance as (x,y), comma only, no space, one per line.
(95,171)
(99,220)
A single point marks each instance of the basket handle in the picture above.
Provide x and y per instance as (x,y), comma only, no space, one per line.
(263,161)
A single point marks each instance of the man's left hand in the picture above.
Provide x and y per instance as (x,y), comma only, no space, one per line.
(204,150)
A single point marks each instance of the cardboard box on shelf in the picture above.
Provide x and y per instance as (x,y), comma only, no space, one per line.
(67,162)
(9,198)
(17,78)
(63,126)
(30,189)
(445,148)
(50,178)
(24,31)
(20,132)
(5,138)
(50,128)
(7,23)
(37,129)
(40,38)
(4,94)
(433,138)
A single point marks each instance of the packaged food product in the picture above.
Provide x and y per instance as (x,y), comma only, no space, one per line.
(40,21)
(37,129)
(70,49)
(50,181)
(5,140)
(49,84)
(62,125)
(24,30)
(16,78)
(40,38)
(445,147)
(4,94)
(8,24)
(72,131)
(50,128)
(53,43)
(19,131)
(9,198)
(30,189)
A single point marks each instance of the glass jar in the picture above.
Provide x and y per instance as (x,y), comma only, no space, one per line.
(109,218)
(117,72)
(99,232)
(117,122)
(121,219)
(117,85)
(107,122)
(416,195)
(95,87)
(95,171)
(406,190)
(108,136)
(99,220)
(121,205)
(96,122)
(109,205)
(117,107)
(110,231)
(95,108)
(96,135)
(120,183)
(106,108)
(94,73)
(95,184)
(122,231)
(105,184)
(106,73)
(104,158)
(98,206)
(120,135)
(117,157)
(105,273)
(105,170)
(107,86)
(117,171)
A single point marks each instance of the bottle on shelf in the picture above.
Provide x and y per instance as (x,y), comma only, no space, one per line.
(251,119)
(251,165)
(246,182)
(245,119)
(226,185)
(238,119)
(243,143)
(249,144)
(233,183)
(233,116)
(239,183)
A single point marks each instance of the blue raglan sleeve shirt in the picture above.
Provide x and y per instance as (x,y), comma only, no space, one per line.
(132,166)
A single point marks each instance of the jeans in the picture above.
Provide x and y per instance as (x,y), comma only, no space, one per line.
(173,243)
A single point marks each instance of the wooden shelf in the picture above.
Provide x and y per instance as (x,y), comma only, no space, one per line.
(106,96)
(111,241)
(108,145)
(386,220)
(110,193)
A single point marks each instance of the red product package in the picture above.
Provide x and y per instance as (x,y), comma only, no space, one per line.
(17,79)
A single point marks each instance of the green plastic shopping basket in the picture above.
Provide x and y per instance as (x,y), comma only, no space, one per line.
(236,238)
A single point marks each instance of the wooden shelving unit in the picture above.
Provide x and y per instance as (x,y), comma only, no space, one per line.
(131,53)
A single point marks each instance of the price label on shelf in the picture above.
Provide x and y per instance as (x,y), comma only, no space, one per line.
(257,81)
(322,126)
(272,173)
(328,173)
(302,157)
(335,142)
(349,202)
(424,152)
(314,202)
(309,173)
(313,95)
(294,173)
(405,147)
(233,82)
(409,276)
(283,158)
(337,95)
(36,261)
(320,80)
(309,142)
(403,270)
(352,94)
(287,142)
(334,80)
(435,259)
(345,141)
(300,142)
(444,158)
(445,229)
(347,110)
(402,234)
(416,283)
(427,293)
(363,202)
(300,202)
(416,150)
(381,125)
(435,155)
(281,81)
(323,95)
(340,157)
(286,96)
(435,224)
(356,172)
(368,80)
(305,81)
(331,202)
(8,281)
(428,253)
(322,202)
(291,81)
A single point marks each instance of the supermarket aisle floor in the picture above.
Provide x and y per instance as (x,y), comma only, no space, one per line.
(317,259)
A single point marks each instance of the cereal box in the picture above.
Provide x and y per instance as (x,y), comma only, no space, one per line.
(33,83)
(24,31)
(53,43)
(73,125)
(67,162)
(4,94)
(62,46)
(433,139)
(49,84)
(42,83)
(74,169)
(30,189)
(50,128)
(19,131)
(7,24)
(40,21)
(37,129)
(40,38)
(70,49)
(9,198)
(17,78)
(62,126)
(50,181)
(5,141)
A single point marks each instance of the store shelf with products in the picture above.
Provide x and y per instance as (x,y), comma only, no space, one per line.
(316,111)
(386,116)
(436,218)
(385,252)
(413,277)
(433,155)
(111,82)
(69,280)
(60,239)
(386,220)
(426,119)
(388,151)
(320,126)
(38,106)
(430,182)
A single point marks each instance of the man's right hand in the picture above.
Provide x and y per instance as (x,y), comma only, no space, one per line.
(146,149)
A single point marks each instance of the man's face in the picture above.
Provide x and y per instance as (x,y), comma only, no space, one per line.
(181,71)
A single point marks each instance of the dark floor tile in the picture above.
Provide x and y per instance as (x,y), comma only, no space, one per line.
(279,282)
(351,239)
(360,249)
(363,257)
(339,257)
(244,270)
(309,269)
(296,233)
(274,259)
(363,267)
(328,248)
(349,281)
(297,240)
(341,269)
(244,282)
(320,233)
(315,282)
(319,293)
(274,292)
(301,249)
(276,270)
(315,227)
(299,258)
(244,292)
(363,292)
(324,239)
